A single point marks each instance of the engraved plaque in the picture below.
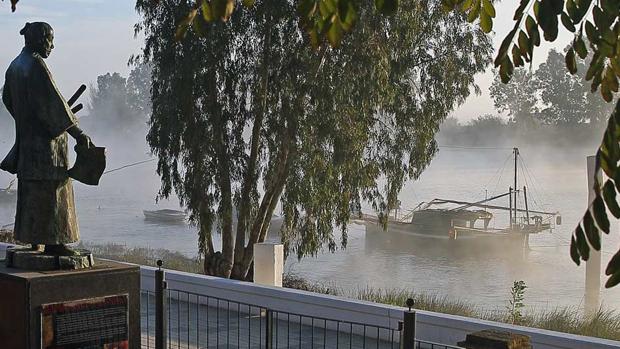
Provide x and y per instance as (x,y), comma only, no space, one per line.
(98,323)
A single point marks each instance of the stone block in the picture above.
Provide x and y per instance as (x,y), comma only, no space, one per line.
(492,339)
(28,259)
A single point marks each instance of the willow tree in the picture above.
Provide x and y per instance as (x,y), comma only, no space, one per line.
(248,116)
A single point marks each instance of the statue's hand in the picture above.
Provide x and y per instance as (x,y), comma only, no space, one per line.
(84,141)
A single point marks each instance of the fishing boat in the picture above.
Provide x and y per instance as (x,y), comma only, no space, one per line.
(165,215)
(468,221)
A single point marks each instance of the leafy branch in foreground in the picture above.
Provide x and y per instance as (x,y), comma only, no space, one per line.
(323,20)
(13,4)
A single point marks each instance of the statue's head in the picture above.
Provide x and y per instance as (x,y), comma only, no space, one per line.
(39,37)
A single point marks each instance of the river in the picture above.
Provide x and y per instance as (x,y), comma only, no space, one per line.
(112,212)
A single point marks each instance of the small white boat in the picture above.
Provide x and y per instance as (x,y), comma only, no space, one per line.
(166,215)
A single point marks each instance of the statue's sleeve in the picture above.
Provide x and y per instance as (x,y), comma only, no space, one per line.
(6,98)
(50,106)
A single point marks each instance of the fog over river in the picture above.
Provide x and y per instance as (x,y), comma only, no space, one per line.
(112,212)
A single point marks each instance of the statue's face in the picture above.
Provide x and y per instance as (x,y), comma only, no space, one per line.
(46,44)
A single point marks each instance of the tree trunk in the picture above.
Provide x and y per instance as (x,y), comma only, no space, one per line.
(270,199)
(250,177)
(206,248)
(224,267)
(220,263)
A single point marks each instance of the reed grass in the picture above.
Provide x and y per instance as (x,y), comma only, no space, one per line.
(145,256)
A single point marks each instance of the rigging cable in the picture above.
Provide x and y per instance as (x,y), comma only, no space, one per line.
(535,184)
(473,148)
(535,191)
(494,191)
(129,165)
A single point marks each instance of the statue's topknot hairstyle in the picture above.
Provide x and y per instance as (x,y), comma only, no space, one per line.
(33,32)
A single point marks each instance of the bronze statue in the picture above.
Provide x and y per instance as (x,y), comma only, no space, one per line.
(43,118)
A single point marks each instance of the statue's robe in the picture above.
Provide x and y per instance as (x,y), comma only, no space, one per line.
(45,206)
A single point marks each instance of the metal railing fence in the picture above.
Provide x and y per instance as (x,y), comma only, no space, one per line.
(180,319)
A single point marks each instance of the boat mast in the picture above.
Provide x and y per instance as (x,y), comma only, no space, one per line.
(527,211)
(516,153)
(510,207)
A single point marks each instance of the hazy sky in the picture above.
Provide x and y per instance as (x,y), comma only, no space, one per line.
(94,37)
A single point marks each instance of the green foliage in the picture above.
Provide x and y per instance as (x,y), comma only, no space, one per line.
(601,32)
(321,20)
(515,303)
(324,20)
(248,117)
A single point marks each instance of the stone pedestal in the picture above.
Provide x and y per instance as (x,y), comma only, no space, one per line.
(70,306)
(268,264)
(492,339)
(28,259)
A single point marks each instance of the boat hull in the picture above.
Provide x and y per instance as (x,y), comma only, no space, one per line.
(427,238)
(169,216)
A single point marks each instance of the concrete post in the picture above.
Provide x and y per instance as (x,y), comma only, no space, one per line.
(268,264)
(593,265)
(408,329)
(161,323)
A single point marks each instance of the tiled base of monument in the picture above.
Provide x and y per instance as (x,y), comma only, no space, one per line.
(97,307)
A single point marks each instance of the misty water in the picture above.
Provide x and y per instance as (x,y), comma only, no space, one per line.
(112,213)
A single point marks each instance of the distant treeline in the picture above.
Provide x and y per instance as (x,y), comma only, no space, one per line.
(117,106)
(545,107)
(494,131)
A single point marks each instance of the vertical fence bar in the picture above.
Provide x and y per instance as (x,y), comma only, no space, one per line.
(408,341)
(160,308)
(198,321)
(249,326)
(178,319)
(268,329)
(148,332)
